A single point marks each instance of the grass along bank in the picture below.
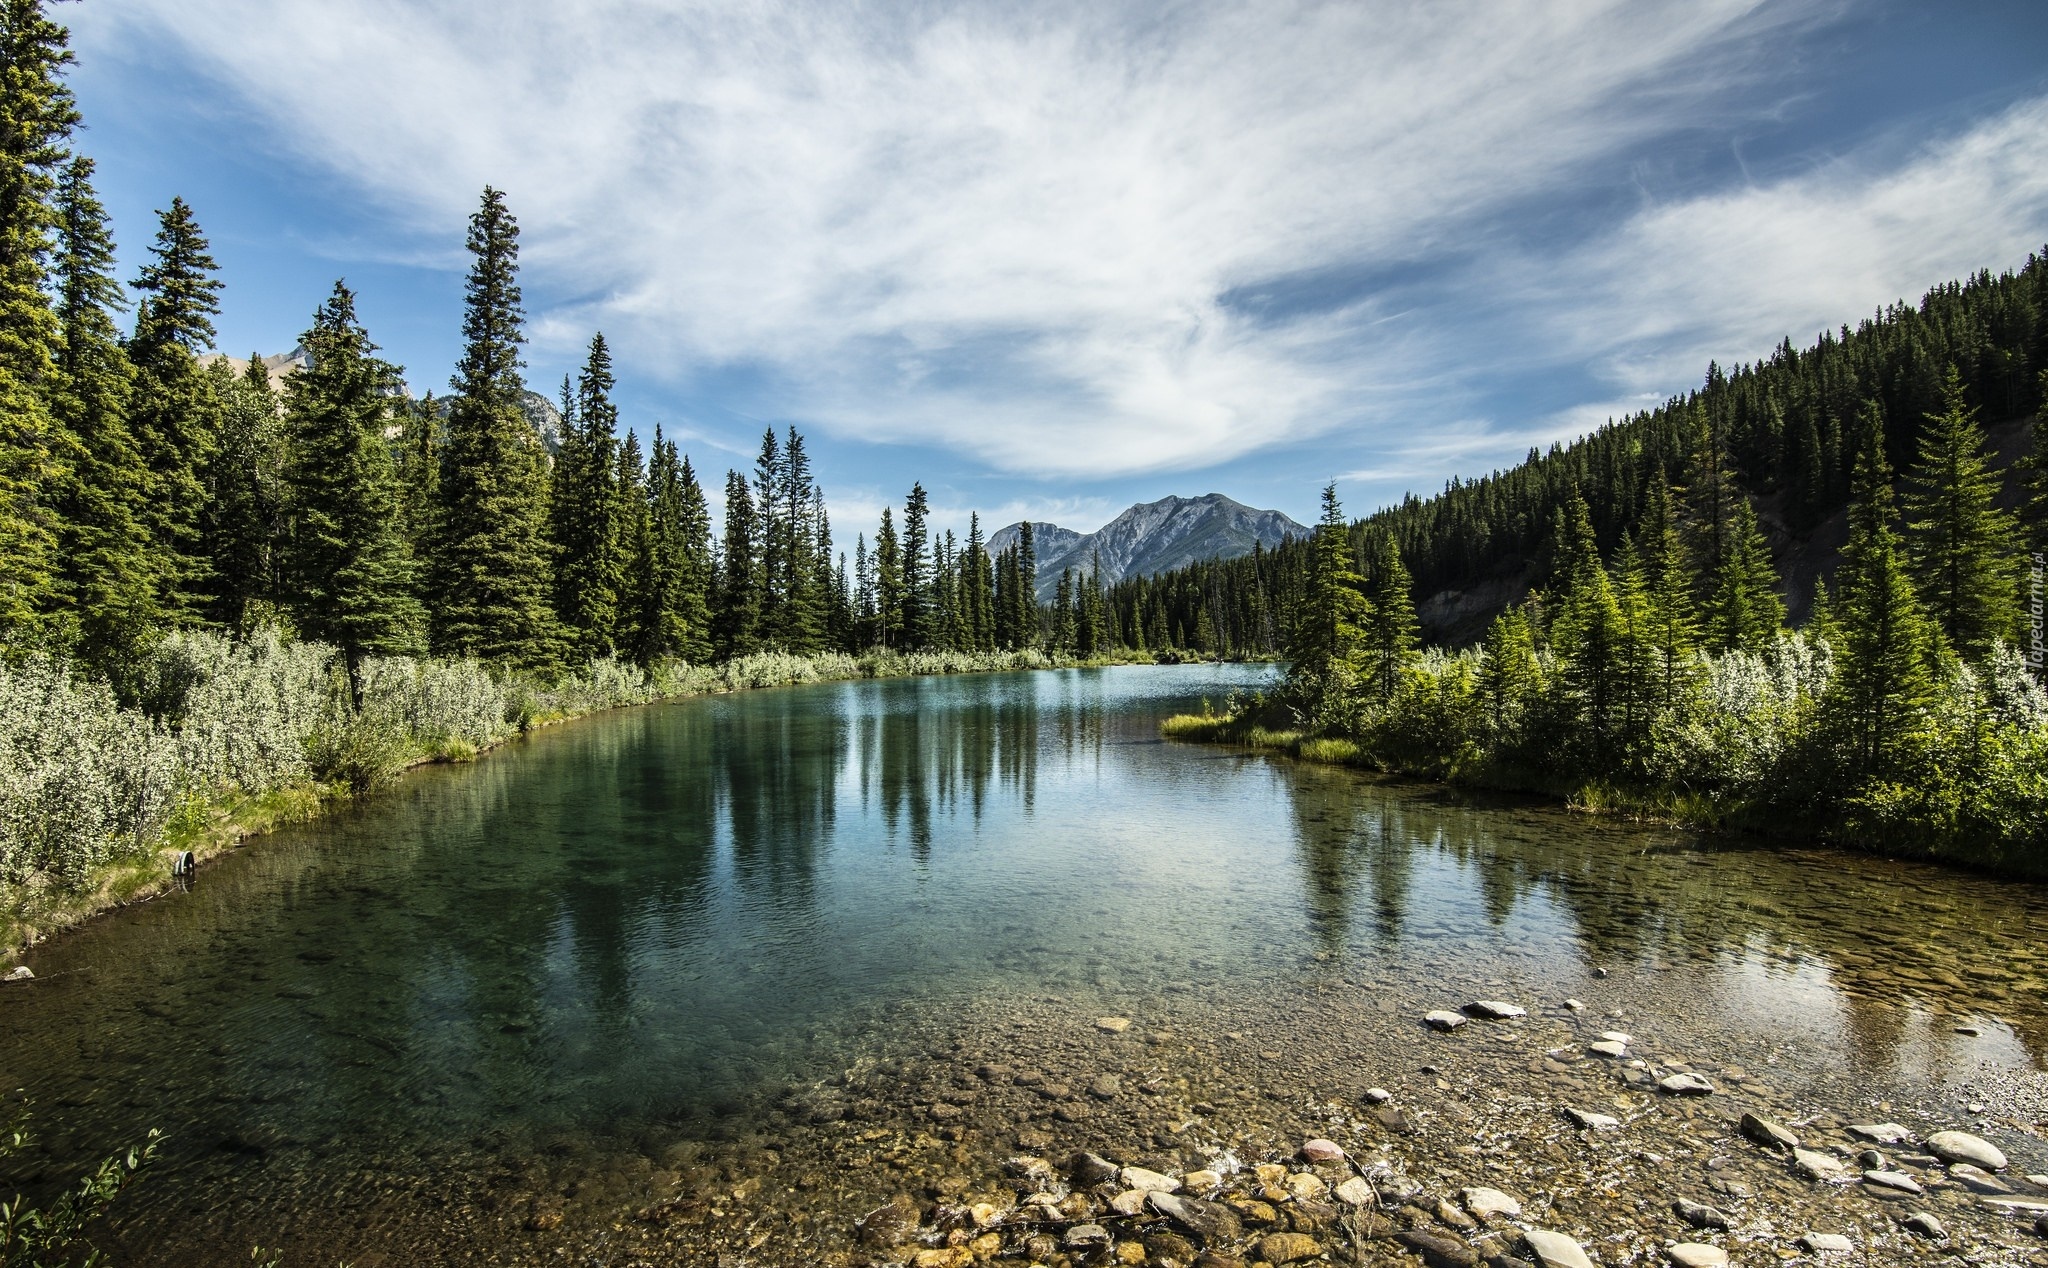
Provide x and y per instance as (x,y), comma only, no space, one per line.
(211,740)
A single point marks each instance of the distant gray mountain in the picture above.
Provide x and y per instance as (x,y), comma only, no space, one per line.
(1152,537)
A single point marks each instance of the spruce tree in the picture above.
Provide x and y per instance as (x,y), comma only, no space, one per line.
(1674,628)
(104,550)
(737,624)
(1508,673)
(1884,680)
(1329,650)
(245,496)
(586,512)
(492,582)
(1746,612)
(1963,548)
(888,564)
(1391,632)
(420,444)
(175,411)
(350,571)
(691,605)
(1588,634)
(917,593)
(1026,615)
(37,115)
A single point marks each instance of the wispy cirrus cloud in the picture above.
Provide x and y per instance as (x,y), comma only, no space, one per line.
(1083,240)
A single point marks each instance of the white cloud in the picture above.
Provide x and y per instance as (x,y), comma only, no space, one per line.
(1012,230)
(1004,229)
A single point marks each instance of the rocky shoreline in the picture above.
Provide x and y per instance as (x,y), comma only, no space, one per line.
(1486,1134)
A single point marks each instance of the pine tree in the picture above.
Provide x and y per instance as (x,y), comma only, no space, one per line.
(736,627)
(1746,612)
(1329,650)
(977,602)
(175,411)
(1508,674)
(1962,547)
(1883,684)
(2034,480)
(691,606)
(492,581)
(888,564)
(770,542)
(420,444)
(105,569)
(350,571)
(1674,629)
(1588,634)
(586,512)
(37,115)
(245,496)
(863,595)
(1391,632)
(1026,590)
(917,594)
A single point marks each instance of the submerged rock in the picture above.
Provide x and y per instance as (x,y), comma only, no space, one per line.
(1699,1214)
(1895,1180)
(1818,1166)
(1925,1225)
(1768,1132)
(1953,1146)
(1495,1009)
(1490,1204)
(1593,1122)
(1286,1248)
(1113,1025)
(1146,1181)
(1555,1250)
(1438,1250)
(1684,1085)
(1697,1255)
(1211,1221)
(1827,1244)
(1320,1150)
(1443,1019)
(1880,1133)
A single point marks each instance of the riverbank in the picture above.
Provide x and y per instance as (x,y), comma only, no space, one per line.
(1326,1122)
(218,822)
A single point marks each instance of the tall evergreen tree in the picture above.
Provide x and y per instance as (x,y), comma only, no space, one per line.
(37,115)
(421,440)
(1391,631)
(492,580)
(175,410)
(1508,673)
(917,593)
(1746,612)
(350,568)
(1883,685)
(1329,650)
(1588,635)
(1963,548)
(737,624)
(691,606)
(888,565)
(586,512)
(104,550)
(245,496)
(1674,628)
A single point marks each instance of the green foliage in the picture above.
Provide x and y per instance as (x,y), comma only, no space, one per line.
(1962,547)
(1329,648)
(491,580)
(54,1235)
(245,510)
(588,512)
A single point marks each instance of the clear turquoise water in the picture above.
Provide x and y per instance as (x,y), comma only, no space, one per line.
(645,922)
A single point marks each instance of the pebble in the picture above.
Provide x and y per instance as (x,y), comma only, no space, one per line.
(1768,1132)
(1881,1133)
(1816,1166)
(1211,1221)
(1978,1180)
(1699,1214)
(1827,1244)
(1495,1009)
(2041,1226)
(1437,1250)
(1378,1096)
(1286,1248)
(1925,1225)
(1575,1006)
(1201,1181)
(1149,1181)
(1307,1186)
(1113,1025)
(1621,1037)
(1355,1192)
(1555,1250)
(1608,1048)
(19,973)
(1953,1146)
(1086,1169)
(1697,1255)
(1129,1202)
(1320,1150)
(1490,1203)
(1086,1237)
(1593,1122)
(1684,1085)
(1106,1087)
(1443,1019)
(1898,1180)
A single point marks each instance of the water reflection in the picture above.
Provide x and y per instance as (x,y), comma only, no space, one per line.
(656,917)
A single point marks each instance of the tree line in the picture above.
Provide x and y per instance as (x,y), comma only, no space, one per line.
(146,486)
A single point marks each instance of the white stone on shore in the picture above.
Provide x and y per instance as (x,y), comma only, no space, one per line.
(1490,1203)
(1149,1181)
(1556,1250)
(1697,1255)
(1955,1146)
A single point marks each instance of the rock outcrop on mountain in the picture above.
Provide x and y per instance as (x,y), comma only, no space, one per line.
(1152,537)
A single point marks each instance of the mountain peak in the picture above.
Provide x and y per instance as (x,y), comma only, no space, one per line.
(1152,537)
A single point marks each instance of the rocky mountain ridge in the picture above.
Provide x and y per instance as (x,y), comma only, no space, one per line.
(1152,537)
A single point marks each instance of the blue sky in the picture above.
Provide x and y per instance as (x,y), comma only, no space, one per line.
(1055,258)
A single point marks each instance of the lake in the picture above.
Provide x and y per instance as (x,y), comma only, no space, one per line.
(575,966)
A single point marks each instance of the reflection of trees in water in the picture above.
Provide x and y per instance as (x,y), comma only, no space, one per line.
(924,753)
(1881,931)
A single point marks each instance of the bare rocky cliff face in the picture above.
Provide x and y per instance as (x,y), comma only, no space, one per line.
(1152,537)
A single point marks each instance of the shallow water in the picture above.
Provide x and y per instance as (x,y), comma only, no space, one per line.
(646,927)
